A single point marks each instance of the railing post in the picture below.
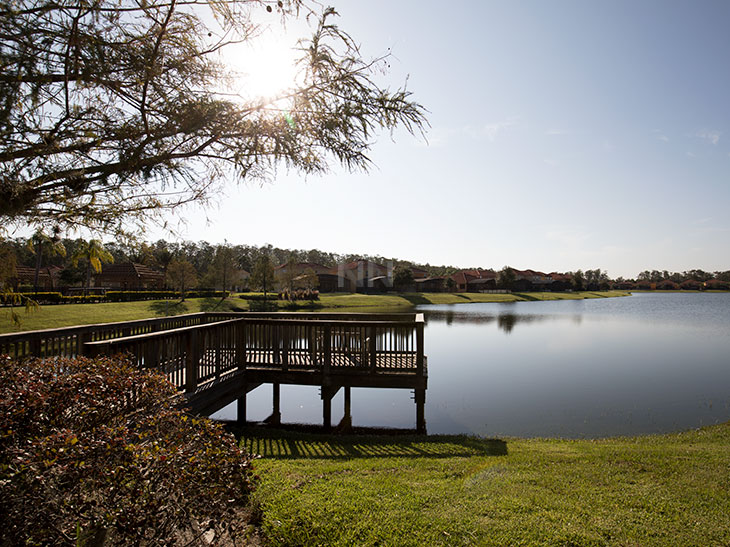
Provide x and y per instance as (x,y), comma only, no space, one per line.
(240,341)
(191,361)
(419,344)
(81,339)
(34,347)
(285,349)
(217,343)
(373,356)
(327,349)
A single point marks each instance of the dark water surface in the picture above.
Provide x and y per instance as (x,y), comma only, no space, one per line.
(648,363)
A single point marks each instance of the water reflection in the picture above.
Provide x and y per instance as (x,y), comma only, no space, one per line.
(596,368)
(505,321)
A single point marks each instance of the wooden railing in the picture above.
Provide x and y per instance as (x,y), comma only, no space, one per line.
(196,348)
(192,356)
(69,341)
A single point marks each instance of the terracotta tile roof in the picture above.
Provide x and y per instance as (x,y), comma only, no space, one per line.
(27,273)
(301,266)
(129,270)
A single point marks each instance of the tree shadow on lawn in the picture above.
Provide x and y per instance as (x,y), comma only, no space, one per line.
(278,444)
(213,304)
(526,296)
(168,307)
(415,299)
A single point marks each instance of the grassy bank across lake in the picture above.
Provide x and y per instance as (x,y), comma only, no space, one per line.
(65,315)
(459,490)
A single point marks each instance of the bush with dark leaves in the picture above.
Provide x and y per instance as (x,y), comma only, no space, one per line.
(94,451)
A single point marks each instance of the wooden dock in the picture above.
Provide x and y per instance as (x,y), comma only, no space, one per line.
(217,358)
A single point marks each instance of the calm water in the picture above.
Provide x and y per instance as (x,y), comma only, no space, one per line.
(647,363)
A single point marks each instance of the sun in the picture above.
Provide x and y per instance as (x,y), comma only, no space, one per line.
(264,68)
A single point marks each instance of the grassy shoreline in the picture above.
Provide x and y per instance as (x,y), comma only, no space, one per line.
(459,490)
(64,315)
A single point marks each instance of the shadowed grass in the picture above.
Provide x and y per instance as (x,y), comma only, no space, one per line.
(457,490)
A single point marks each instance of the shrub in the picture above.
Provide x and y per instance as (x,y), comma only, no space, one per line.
(94,451)
(206,294)
(39,297)
(128,296)
(258,296)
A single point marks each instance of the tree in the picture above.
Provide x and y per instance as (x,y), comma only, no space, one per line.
(450,284)
(577,280)
(506,278)
(287,276)
(402,278)
(262,275)
(182,276)
(93,253)
(116,110)
(309,281)
(41,242)
(222,268)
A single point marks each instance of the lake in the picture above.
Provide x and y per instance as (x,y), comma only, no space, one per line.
(648,363)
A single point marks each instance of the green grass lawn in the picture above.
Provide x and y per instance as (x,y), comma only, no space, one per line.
(458,490)
(64,315)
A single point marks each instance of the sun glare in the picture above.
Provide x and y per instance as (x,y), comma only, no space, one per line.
(265,68)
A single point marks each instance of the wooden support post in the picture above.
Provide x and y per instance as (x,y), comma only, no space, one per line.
(326,411)
(241,410)
(419,345)
(348,401)
(420,397)
(346,423)
(276,411)
(328,392)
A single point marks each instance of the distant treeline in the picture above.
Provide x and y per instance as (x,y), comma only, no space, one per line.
(212,261)
(205,257)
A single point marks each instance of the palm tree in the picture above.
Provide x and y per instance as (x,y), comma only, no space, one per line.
(93,253)
(36,245)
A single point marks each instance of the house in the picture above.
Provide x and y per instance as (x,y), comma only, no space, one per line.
(430,284)
(327,279)
(532,280)
(561,282)
(364,276)
(463,278)
(129,276)
(481,284)
(48,277)
(418,273)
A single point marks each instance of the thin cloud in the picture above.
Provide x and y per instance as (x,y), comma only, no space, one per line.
(492,130)
(661,136)
(710,135)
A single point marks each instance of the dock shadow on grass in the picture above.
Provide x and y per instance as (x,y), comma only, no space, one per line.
(168,307)
(280,444)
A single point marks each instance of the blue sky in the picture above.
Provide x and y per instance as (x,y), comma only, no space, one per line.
(564,135)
